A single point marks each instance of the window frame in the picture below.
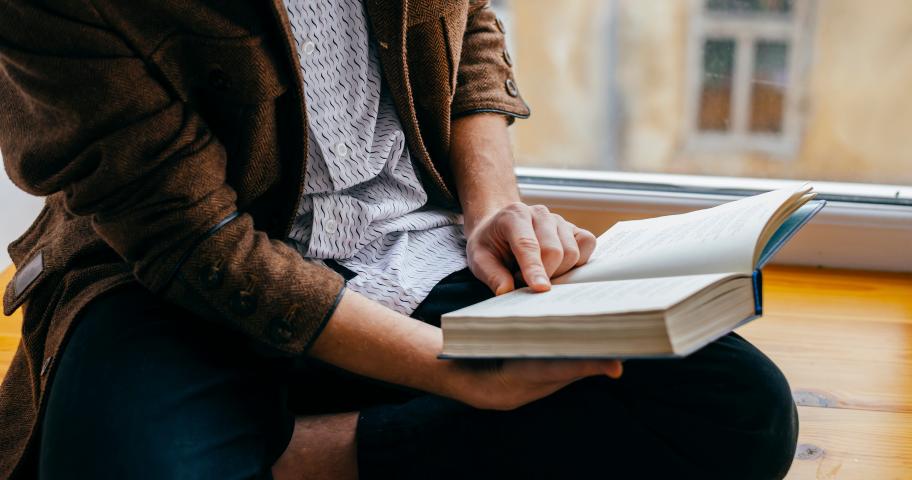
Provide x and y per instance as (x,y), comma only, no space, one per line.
(795,29)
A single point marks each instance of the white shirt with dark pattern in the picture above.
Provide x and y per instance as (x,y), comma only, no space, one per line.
(363,203)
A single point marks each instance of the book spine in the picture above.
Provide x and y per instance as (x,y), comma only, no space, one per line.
(758,292)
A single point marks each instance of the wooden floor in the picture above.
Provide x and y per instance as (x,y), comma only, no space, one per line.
(844,340)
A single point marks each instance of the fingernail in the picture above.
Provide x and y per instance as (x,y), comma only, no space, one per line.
(541,280)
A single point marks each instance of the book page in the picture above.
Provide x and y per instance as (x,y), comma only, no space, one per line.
(619,296)
(718,239)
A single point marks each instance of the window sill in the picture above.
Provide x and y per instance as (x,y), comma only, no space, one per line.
(862,227)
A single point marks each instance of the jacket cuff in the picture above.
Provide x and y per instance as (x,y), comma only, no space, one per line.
(485,81)
(241,279)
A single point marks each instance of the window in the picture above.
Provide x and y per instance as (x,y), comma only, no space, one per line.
(745,83)
(648,107)
(776,89)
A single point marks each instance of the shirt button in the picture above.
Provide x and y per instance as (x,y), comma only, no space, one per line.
(508,58)
(511,87)
(309,47)
(329,226)
(500,26)
(341,150)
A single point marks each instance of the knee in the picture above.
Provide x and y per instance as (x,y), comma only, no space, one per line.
(764,421)
(727,408)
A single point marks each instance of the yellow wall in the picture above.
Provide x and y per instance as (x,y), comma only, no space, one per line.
(558,74)
(860,118)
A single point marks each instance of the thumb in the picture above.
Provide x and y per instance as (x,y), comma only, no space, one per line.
(613,368)
(490,270)
(610,368)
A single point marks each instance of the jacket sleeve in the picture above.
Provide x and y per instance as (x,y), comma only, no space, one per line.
(484,79)
(82,114)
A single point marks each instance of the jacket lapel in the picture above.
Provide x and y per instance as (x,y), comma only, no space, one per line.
(295,182)
(389,20)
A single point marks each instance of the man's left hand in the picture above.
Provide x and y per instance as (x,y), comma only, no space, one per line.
(541,244)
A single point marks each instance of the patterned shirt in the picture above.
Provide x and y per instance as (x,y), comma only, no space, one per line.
(363,203)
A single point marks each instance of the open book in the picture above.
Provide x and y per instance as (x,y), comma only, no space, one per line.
(658,287)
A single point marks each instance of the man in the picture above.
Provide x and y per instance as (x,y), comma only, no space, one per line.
(245,203)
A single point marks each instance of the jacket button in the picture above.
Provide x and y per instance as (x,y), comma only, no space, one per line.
(500,26)
(243,303)
(46,365)
(511,87)
(211,277)
(218,79)
(280,330)
(508,58)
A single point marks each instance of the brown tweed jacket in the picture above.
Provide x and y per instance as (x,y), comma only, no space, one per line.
(168,137)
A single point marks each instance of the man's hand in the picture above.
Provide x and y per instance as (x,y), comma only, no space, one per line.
(514,383)
(502,233)
(540,244)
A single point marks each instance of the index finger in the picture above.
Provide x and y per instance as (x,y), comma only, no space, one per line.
(527,251)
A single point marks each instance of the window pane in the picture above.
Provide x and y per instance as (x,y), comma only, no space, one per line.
(768,86)
(716,93)
(753,6)
(655,86)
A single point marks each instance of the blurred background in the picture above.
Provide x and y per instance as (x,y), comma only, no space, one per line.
(792,89)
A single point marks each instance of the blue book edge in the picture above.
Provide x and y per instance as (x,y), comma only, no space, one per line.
(758,293)
(788,229)
(783,234)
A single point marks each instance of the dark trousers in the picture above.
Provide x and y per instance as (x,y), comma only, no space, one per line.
(145,390)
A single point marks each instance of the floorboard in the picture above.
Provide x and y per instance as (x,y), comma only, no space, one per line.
(853,444)
(840,362)
(844,341)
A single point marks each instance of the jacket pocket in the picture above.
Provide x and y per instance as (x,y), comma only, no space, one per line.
(434,45)
(33,263)
(25,279)
(420,11)
(56,243)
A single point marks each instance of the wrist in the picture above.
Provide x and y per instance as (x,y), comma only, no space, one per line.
(454,381)
(464,381)
(478,214)
(482,164)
